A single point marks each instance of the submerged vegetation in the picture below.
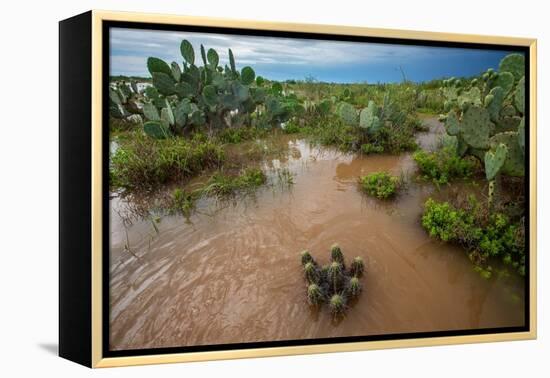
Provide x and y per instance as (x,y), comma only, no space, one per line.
(381,185)
(332,284)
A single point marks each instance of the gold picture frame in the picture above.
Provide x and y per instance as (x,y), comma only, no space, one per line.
(95,21)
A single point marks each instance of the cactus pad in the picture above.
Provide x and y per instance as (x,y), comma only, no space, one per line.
(476,127)
(247,75)
(514,163)
(213,58)
(150,112)
(164,83)
(505,80)
(155,129)
(347,113)
(451,124)
(513,63)
(494,160)
(519,96)
(158,65)
(495,104)
(186,49)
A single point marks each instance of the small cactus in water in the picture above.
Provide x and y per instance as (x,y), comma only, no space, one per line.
(314,295)
(306,257)
(357,267)
(354,287)
(335,272)
(337,304)
(332,283)
(336,254)
(311,273)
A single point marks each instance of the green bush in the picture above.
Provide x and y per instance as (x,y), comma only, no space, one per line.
(144,163)
(443,165)
(483,235)
(381,185)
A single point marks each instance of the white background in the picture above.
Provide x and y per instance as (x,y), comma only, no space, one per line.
(29,189)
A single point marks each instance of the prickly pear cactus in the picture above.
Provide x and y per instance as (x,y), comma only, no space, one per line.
(347,113)
(480,128)
(493,102)
(514,163)
(451,124)
(505,80)
(519,96)
(156,129)
(494,160)
(209,94)
(513,63)
(368,119)
(475,127)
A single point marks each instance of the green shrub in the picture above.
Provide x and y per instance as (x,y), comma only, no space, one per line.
(292,128)
(381,185)
(482,234)
(333,132)
(144,163)
(397,137)
(443,165)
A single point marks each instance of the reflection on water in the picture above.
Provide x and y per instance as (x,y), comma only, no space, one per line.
(233,275)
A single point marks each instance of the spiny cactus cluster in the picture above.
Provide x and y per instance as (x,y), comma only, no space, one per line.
(486,116)
(372,118)
(332,284)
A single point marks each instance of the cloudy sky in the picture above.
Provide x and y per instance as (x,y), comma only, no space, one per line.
(288,58)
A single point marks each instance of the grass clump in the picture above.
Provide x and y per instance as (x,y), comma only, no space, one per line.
(482,233)
(223,185)
(332,284)
(369,148)
(332,131)
(240,134)
(182,201)
(443,165)
(292,127)
(145,163)
(381,185)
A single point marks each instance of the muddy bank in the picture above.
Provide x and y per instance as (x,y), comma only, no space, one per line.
(230,273)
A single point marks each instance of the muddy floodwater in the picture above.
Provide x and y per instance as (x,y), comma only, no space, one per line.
(231,273)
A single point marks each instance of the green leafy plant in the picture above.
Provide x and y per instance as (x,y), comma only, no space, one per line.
(381,185)
(443,165)
(481,233)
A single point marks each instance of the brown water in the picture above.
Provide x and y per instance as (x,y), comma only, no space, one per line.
(231,272)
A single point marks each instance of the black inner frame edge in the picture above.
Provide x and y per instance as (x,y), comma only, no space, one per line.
(106,352)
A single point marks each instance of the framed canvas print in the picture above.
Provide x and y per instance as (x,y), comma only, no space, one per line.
(236,189)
